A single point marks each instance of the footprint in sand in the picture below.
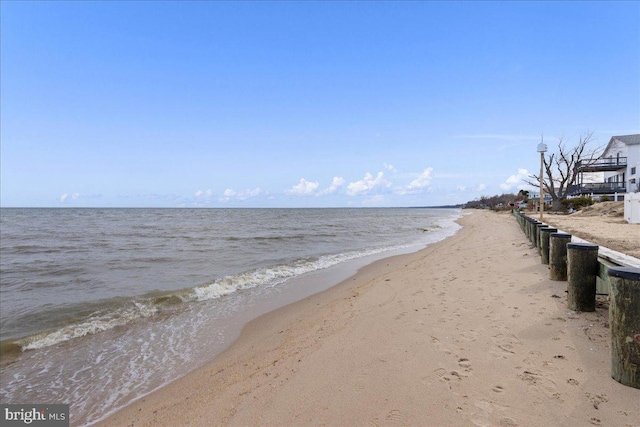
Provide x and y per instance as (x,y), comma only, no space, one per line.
(481,417)
(506,345)
(440,374)
(436,342)
(469,335)
(401,315)
(597,399)
(542,383)
(464,363)
(394,416)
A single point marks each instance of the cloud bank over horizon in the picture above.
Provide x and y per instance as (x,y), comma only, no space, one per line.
(369,190)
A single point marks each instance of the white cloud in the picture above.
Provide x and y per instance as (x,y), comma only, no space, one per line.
(337,182)
(303,188)
(517,180)
(230,194)
(461,188)
(227,195)
(246,194)
(367,184)
(418,185)
(481,187)
(65,197)
(204,194)
(390,168)
(422,181)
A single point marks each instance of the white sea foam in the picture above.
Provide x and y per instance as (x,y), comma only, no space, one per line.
(94,324)
(273,276)
(268,277)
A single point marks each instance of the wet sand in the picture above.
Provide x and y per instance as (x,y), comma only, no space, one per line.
(467,332)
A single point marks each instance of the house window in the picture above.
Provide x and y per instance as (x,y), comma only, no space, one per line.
(633,171)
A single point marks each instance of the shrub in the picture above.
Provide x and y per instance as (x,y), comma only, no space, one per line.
(577,203)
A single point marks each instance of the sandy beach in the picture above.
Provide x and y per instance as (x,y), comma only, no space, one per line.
(602,224)
(467,332)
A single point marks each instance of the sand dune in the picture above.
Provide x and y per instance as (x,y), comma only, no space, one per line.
(602,224)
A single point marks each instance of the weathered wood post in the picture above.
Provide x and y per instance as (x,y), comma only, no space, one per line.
(558,255)
(520,218)
(545,233)
(624,321)
(539,227)
(582,271)
(534,232)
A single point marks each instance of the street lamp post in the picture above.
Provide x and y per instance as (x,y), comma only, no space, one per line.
(542,148)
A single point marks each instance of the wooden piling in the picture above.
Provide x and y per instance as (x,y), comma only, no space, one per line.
(624,321)
(545,233)
(534,232)
(539,227)
(527,227)
(582,271)
(558,255)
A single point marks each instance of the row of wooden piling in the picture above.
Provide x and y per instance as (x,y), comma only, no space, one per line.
(579,265)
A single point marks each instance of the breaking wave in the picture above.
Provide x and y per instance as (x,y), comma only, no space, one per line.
(147,307)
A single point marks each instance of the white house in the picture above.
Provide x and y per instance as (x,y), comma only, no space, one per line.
(625,146)
(620,165)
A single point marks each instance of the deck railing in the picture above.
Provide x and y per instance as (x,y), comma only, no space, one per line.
(598,188)
(609,163)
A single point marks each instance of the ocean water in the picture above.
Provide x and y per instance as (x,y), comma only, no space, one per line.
(99,307)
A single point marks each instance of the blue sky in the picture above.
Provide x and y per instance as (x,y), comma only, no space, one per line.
(302,104)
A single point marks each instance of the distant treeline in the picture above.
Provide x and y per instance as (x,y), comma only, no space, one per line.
(503,200)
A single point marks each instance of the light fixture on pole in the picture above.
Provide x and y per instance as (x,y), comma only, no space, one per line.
(542,148)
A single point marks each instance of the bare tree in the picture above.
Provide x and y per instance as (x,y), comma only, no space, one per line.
(524,195)
(561,168)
